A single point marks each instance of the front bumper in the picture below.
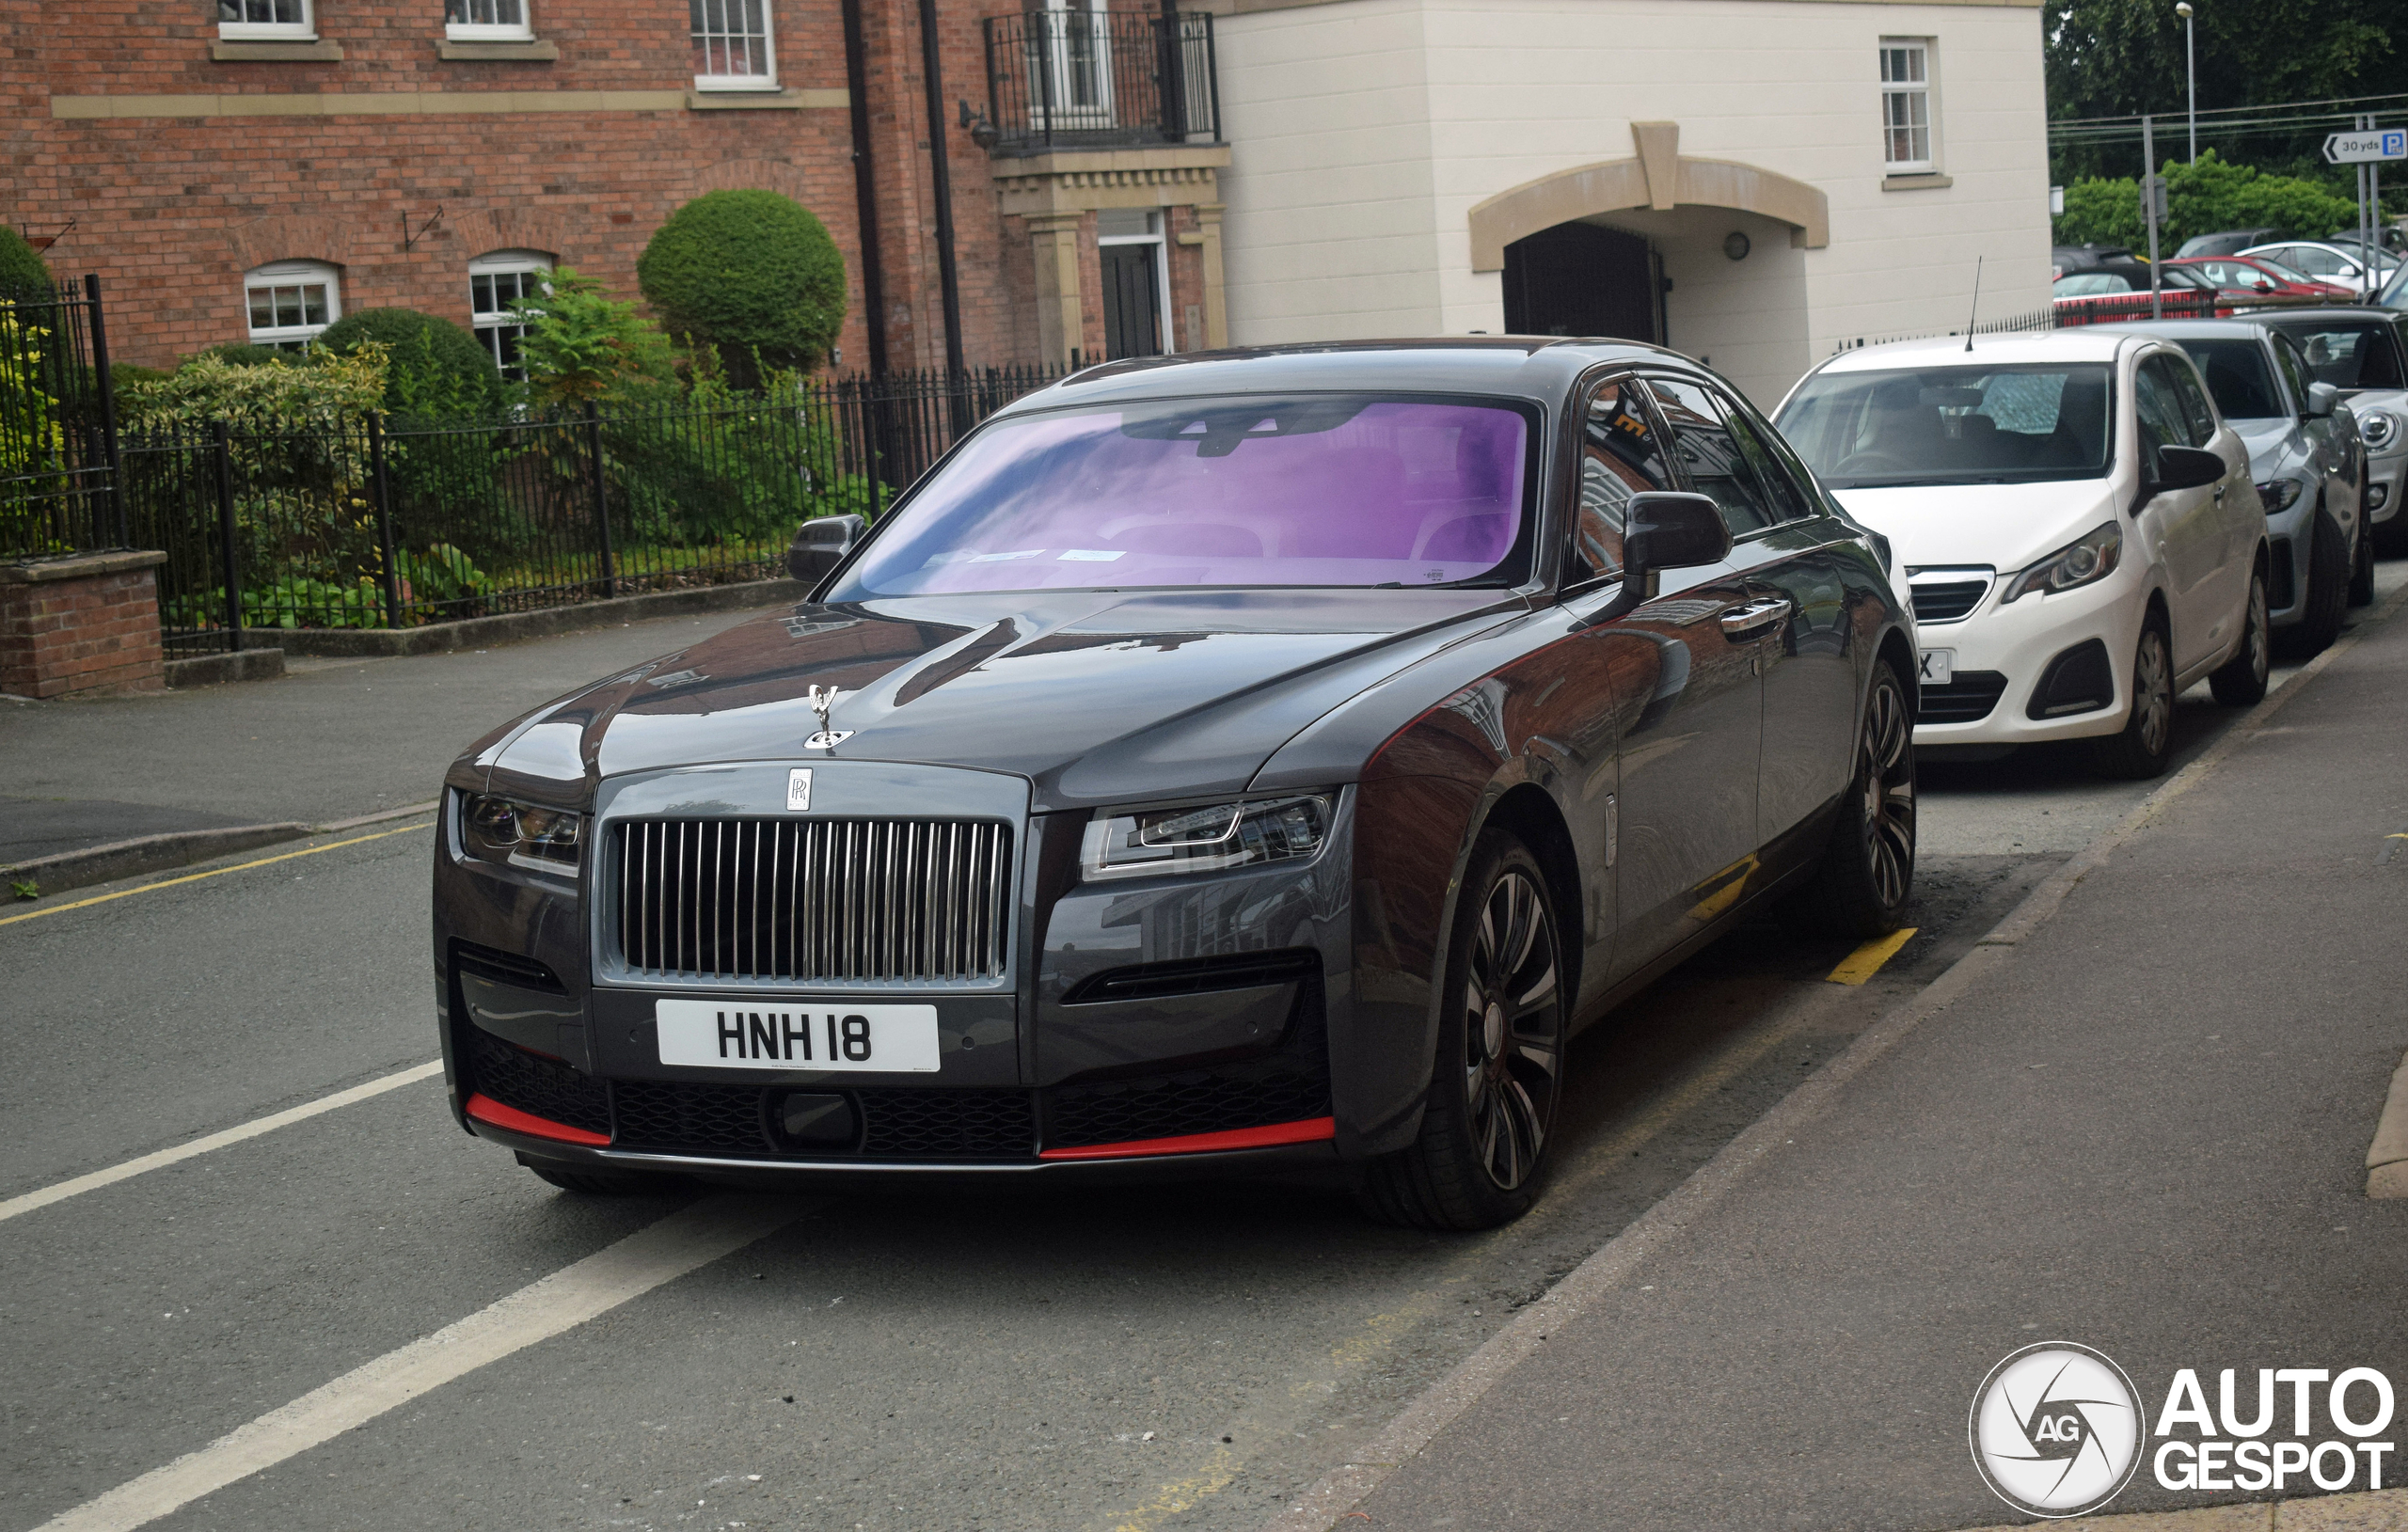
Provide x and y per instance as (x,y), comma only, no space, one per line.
(2389,475)
(2004,653)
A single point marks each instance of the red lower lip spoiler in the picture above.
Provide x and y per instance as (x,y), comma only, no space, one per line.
(486,1110)
(1312,1131)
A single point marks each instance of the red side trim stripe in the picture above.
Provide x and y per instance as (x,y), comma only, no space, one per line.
(1314,1131)
(485,1109)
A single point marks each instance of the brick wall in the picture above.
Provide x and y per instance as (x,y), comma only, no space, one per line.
(80,625)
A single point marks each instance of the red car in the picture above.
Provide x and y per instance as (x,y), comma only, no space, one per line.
(2257,279)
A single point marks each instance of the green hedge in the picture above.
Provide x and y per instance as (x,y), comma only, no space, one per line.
(22,267)
(433,367)
(754,276)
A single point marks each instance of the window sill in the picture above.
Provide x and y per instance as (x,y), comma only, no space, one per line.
(763,101)
(528,50)
(1915,181)
(294,51)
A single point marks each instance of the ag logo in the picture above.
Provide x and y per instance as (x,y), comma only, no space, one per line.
(2056,1429)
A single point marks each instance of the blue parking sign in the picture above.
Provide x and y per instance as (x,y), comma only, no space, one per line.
(2395,143)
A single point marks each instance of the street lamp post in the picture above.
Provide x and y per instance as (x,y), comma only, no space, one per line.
(2191,68)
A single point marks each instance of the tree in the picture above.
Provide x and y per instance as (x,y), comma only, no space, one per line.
(583,345)
(2121,57)
(2199,199)
(23,270)
(751,273)
(436,369)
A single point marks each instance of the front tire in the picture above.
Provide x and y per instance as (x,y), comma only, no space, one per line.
(2328,592)
(1490,1113)
(2145,743)
(1861,885)
(2240,681)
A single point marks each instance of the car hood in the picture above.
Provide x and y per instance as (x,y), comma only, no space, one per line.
(1094,697)
(2275,447)
(2003,526)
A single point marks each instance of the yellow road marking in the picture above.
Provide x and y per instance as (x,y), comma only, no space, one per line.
(1866,960)
(195,877)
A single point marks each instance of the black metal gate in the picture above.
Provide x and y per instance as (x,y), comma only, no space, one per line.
(58,481)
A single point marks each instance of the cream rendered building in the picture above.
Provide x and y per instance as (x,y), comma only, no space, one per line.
(1773,178)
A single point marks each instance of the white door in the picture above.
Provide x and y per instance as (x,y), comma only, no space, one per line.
(2187,525)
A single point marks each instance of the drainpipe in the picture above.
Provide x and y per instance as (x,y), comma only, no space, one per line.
(864,187)
(941,181)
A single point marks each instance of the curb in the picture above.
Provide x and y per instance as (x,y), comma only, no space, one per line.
(173,849)
(484,632)
(1336,1493)
(218,669)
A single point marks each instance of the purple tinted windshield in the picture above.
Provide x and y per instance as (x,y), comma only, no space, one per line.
(1313,491)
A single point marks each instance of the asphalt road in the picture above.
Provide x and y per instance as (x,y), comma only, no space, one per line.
(1116,1360)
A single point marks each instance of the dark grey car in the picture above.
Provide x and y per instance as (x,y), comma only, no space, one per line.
(2307,460)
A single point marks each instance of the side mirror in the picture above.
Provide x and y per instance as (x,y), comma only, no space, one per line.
(821,545)
(2187,468)
(2323,399)
(1663,529)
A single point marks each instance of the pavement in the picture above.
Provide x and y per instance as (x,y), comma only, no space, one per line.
(251,1272)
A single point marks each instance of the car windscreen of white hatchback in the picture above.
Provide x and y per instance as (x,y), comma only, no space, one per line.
(1954,425)
(1325,490)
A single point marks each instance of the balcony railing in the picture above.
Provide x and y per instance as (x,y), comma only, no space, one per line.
(1091,79)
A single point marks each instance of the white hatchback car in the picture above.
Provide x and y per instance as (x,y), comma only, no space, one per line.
(2075,525)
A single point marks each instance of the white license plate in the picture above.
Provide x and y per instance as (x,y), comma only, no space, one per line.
(740,1035)
(1938,665)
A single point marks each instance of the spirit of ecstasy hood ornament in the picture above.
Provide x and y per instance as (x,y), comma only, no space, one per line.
(823,701)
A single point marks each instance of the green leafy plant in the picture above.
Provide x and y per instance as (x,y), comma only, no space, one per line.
(24,888)
(581,344)
(23,270)
(433,370)
(2200,199)
(751,275)
(33,442)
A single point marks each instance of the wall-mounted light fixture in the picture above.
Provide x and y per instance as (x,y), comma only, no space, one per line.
(1735,246)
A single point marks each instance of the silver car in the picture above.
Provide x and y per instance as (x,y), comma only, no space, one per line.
(2307,463)
(2364,352)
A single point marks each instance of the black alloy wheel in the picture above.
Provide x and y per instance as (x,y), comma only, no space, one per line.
(2141,748)
(2240,681)
(1486,1123)
(1861,886)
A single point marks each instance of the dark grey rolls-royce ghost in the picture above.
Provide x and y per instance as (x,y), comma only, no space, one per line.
(1262,761)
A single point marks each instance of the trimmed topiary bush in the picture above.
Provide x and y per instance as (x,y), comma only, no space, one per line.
(750,273)
(22,267)
(434,370)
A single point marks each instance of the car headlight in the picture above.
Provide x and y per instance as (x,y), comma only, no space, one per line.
(2377,428)
(498,829)
(1205,838)
(2279,494)
(2092,556)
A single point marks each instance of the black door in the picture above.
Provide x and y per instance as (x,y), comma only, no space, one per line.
(1581,279)
(1133,315)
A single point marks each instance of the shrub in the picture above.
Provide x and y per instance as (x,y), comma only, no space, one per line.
(22,267)
(750,273)
(434,370)
(2200,199)
(243,353)
(581,344)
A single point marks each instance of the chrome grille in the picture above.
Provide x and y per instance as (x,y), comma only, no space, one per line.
(813,899)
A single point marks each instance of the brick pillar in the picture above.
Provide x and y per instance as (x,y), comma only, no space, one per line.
(79,623)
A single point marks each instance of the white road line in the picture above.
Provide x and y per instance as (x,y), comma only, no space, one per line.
(659,1253)
(81,1184)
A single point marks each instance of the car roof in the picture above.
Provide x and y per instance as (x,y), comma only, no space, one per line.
(2175,329)
(2081,343)
(1534,367)
(2338,311)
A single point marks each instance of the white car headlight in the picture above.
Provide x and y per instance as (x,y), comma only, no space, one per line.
(2378,429)
(1213,837)
(498,829)
(2091,557)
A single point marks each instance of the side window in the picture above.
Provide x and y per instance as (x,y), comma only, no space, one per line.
(2158,408)
(1774,471)
(1621,454)
(1717,466)
(2193,395)
(2382,368)
(2293,366)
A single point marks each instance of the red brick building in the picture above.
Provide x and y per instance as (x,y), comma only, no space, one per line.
(241,170)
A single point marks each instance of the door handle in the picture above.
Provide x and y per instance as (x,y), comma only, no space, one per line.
(1754,615)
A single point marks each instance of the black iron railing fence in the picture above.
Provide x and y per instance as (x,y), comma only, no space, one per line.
(57,424)
(1101,79)
(378,523)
